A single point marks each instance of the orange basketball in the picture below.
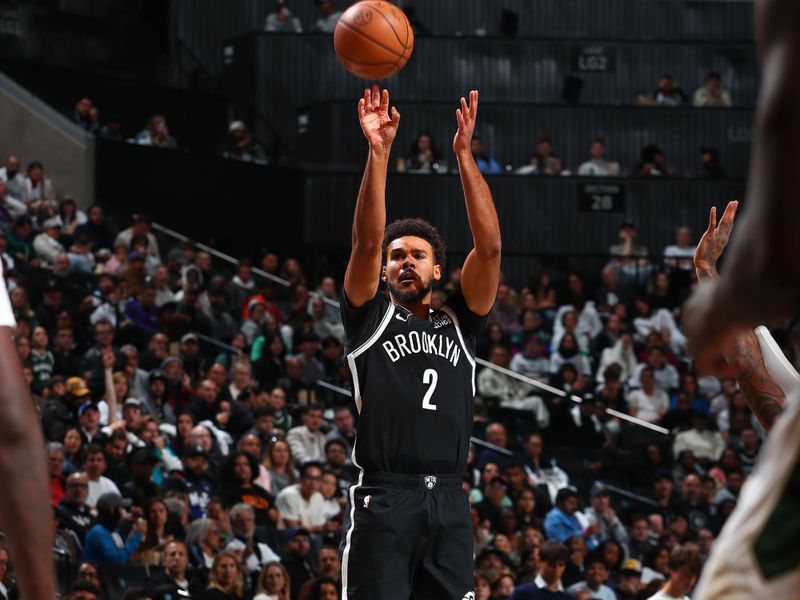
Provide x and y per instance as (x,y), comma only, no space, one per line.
(373,39)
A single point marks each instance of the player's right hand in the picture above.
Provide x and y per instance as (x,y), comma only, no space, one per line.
(377,123)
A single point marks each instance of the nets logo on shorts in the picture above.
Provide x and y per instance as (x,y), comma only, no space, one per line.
(430,481)
(469,596)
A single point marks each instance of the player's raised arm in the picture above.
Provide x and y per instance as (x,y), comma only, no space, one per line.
(26,516)
(763,395)
(380,127)
(762,280)
(481,272)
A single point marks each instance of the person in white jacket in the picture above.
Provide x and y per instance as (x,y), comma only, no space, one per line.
(46,243)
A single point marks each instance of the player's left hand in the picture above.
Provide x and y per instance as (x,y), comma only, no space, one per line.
(465,117)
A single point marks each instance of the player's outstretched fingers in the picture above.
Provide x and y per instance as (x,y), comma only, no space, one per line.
(395,117)
(473,104)
(385,101)
(376,97)
(464,110)
(361,108)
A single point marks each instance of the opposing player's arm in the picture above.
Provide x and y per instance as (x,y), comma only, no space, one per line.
(379,127)
(481,272)
(25,511)
(763,261)
(763,395)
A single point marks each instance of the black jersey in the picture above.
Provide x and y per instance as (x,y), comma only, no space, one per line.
(413,384)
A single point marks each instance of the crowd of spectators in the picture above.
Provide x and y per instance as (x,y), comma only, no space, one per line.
(188,432)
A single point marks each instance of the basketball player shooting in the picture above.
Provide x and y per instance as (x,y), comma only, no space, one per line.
(25,512)
(408,532)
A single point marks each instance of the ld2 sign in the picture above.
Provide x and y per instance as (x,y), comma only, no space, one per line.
(594,59)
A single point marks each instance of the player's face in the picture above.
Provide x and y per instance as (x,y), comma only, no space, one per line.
(410,270)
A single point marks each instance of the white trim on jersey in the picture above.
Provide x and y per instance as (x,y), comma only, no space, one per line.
(351,358)
(349,535)
(779,368)
(446,310)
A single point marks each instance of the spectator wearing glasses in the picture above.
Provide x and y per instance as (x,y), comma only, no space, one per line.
(302,503)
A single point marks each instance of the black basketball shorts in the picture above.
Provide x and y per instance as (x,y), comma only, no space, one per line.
(407,537)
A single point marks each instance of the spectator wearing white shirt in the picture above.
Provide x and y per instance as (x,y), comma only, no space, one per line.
(569,352)
(597,165)
(532,361)
(329,16)
(95,465)
(712,93)
(13,178)
(307,442)
(37,189)
(46,243)
(303,503)
(14,206)
(680,254)
(282,20)
(666,376)
(508,392)
(141,226)
(648,403)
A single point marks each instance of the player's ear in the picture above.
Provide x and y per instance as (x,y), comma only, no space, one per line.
(437,272)
(383,274)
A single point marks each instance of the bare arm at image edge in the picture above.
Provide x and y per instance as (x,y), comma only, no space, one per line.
(763,395)
(25,512)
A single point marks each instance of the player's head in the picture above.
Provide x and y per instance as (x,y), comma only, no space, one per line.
(414,253)
(685,565)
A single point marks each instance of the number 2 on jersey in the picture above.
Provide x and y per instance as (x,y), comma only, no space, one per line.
(429,377)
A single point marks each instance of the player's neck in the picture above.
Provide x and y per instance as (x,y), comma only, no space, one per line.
(418,309)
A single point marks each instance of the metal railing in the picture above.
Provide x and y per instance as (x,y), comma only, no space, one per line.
(508,373)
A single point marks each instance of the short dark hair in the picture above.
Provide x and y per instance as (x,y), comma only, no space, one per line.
(552,551)
(311,464)
(83,586)
(683,556)
(418,228)
(564,494)
(335,442)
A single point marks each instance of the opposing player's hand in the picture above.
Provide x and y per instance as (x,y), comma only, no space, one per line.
(465,117)
(715,238)
(377,123)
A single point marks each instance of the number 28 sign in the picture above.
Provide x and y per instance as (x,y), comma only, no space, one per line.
(601,197)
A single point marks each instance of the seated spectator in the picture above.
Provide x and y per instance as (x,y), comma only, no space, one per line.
(176,579)
(104,544)
(142,225)
(684,569)
(240,145)
(596,575)
(598,165)
(505,311)
(547,585)
(712,94)
(710,165)
(680,255)
(601,512)
(303,504)
(273,583)
(629,581)
(97,228)
(281,19)
(14,180)
(648,402)
(486,163)
(423,156)
(82,115)
(236,486)
(532,360)
(621,356)
(629,257)
(545,161)
(10,207)
(307,440)
(652,164)
(329,16)
(156,133)
(508,392)
(225,579)
(667,94)
(562,523)
(296,557)
(706,445)
(38,189)
(666,376)
(569,352)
